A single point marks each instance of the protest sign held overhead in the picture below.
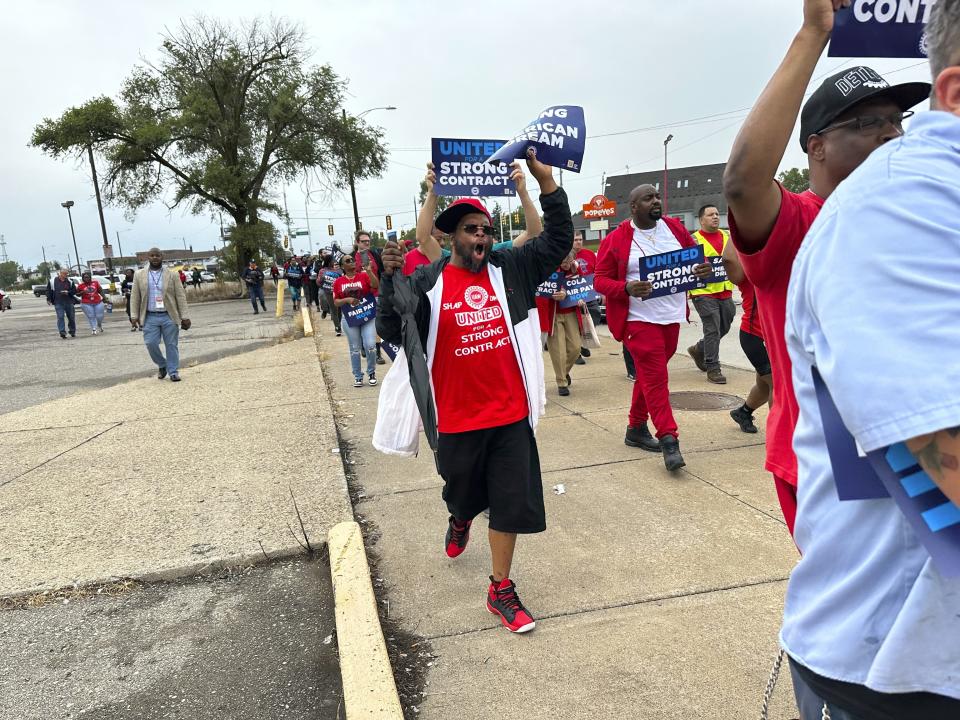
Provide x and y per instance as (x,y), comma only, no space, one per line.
(462,169)
(881,28)
(559,135)
(672,272)
(578,287)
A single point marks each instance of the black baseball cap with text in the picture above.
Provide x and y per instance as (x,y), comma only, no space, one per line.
(847,88)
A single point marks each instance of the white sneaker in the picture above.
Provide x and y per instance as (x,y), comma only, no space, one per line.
(373,380)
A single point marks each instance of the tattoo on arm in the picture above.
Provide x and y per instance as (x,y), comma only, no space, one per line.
(933,458)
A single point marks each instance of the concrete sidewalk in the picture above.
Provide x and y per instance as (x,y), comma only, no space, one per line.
(656,596)
(156,480)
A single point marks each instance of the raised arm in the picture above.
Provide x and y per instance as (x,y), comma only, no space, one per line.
(543,254)
(731,263)
(425,239)
(534,224)
(748,181)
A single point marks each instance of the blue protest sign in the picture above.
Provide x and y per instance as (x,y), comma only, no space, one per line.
(462,168)
(357,315)
(719,271)
(578,287)
(329,278)
(390,349)
(881,28)
(892,472)
(551,285)
(672,272)
(559,134)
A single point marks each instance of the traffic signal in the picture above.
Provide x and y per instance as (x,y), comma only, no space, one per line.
(286,242)
(389,223)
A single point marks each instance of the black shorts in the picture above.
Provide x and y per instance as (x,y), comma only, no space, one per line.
(756,352)
(496,468)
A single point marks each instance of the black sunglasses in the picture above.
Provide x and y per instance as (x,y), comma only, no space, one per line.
(871,122)
(472,228)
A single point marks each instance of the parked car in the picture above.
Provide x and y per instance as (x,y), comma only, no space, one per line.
(208,276)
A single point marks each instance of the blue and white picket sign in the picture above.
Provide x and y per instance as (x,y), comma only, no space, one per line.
(551,285)
(672,272)
(881,28)
(578,287)
(559,134)
(357,315)
(463,170)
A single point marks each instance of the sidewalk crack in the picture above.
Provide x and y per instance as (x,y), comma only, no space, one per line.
(61,454)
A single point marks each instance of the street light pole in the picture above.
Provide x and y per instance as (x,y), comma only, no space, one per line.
(69,204)
(665,143)
(346,147)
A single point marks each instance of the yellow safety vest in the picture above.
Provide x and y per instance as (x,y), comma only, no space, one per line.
(709,252)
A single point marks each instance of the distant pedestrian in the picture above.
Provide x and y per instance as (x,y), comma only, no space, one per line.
(159,306)
(62,294)
(350,290)
(327,277)
(275,274)
(311,288)
(197,278)
(91,302)
(293,274)
(183,278)
(587,262)
(253,277)
(125,288)
(562,326)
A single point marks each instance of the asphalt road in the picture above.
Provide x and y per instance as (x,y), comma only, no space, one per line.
(258,645)
(36,365)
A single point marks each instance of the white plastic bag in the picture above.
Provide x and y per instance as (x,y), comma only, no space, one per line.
(397,431)
(591,340)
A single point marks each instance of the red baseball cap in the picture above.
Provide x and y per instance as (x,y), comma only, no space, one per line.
(448,219)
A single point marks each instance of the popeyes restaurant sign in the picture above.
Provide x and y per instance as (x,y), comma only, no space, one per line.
(599,207)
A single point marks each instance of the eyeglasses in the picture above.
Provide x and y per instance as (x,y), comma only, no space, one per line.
(363,240)
(871,123)
(472,228)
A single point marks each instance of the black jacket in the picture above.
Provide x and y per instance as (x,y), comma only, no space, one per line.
(524,268)
(55,288)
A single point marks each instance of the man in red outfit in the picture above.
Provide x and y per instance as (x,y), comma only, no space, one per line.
(649,328)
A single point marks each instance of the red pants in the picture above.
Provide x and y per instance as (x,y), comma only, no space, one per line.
(651,347)
(787,495)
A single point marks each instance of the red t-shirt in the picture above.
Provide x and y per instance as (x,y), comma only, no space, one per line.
(476,376)
(90,293)
(412,259)
(357,287)
(587,260)
(750,323)
(769,271)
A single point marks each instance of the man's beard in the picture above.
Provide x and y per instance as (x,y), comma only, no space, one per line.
(469,259)
(655,215)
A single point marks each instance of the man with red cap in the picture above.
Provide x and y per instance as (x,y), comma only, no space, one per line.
(477,320)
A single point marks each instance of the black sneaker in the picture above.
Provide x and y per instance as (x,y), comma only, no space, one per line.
(631,378)
(339,333)
(563,391)
(63,335)
(503,601)
(380,360)
(585,352)
(640,437)
(569,381)
(161,373)
(372,380)
(744,419)
(579,361)
(358,382)
(458,535)
(672,458)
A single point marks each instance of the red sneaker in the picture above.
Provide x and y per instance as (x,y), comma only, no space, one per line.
(457,536)
(502,600)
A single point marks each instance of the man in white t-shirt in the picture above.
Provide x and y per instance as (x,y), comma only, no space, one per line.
(648,327)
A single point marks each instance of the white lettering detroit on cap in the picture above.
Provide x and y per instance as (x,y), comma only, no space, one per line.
(860,76)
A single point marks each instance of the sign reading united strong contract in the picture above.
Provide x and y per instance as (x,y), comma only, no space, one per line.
(599,207)
(882,28)
(462,170)
(672,272)
(559,135)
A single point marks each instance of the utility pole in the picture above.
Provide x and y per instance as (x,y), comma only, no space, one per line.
(119,246)
(353,190)
(665,143)
(3,249)
(96,190)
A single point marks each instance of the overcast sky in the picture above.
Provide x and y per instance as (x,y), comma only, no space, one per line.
(451,69)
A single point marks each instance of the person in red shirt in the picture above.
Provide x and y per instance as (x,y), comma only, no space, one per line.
(91,302)
(477,321)
(563,327)
(587,264)
(183,278)
(350,291)
(714,303)
(416,257)
(850,115)
(751,342)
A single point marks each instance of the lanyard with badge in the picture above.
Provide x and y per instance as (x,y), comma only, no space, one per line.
(156,279)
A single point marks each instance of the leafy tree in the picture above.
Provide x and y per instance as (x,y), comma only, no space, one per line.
(219,122)
(795,179)
(443,201)
(9,271)
(47,269)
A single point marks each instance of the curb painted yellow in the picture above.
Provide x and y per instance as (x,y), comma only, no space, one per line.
(281,289)
(368,687)
(307,322)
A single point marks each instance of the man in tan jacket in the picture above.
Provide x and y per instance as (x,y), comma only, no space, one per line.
(158,304)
